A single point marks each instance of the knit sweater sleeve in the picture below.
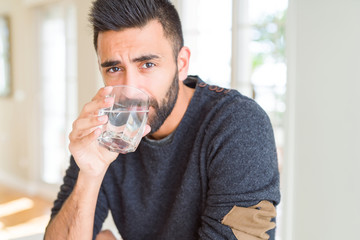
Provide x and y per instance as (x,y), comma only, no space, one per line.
(242,170)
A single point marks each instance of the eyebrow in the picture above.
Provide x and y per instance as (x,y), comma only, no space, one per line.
(112,63)
(145,58)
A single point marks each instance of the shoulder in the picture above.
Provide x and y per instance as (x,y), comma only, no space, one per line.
(237,129)
(224,112)
(221,98)
(229,109)
(212,98)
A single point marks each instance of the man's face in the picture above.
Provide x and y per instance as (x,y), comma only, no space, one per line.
(141,57)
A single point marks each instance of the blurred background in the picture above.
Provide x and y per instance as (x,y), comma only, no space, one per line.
(299,59)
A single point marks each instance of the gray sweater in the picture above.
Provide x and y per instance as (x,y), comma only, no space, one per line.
(222,154)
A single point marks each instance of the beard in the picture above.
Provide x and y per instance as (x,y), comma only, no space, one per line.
(165,107)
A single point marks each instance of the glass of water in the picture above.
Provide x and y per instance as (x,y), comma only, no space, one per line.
(127,119)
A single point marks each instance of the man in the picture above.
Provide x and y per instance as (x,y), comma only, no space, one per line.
(207,168)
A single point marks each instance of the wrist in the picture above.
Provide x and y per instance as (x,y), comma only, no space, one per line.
(86,191)
(90,167)
(91,180)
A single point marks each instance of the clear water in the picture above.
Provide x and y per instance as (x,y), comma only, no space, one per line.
(115,143)
(123,131)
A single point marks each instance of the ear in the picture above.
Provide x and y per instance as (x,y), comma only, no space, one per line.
(183,63)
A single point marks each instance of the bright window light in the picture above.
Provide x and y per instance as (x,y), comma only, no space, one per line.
(58,75)
(15,206)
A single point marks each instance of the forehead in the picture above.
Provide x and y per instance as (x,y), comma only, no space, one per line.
(149,38)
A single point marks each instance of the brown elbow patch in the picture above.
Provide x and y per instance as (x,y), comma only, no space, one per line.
(251,223)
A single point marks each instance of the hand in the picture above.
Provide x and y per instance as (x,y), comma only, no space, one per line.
(88,154)
(91,158)
(105,235)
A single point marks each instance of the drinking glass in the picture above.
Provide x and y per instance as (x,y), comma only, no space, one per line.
(127,119)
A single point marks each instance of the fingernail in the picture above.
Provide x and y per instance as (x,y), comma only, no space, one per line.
(101,112)
(107,88)
(101,118)
(108,98)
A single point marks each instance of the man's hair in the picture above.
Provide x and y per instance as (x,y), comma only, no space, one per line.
(118,15)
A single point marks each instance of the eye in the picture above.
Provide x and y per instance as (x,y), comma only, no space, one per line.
(113,69)
(148,65)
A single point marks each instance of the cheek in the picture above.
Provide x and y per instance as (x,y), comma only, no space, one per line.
(156,89)
(163,87)
(112,80)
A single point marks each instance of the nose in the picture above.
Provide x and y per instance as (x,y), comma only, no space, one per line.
(132,78)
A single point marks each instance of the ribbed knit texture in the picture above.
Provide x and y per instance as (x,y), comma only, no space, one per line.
(222,154)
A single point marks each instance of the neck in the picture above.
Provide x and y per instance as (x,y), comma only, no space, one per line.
(174,119)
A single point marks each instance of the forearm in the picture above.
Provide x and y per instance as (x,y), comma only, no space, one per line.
(75,220)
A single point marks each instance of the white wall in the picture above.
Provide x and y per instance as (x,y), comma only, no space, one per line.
(17,111)
(20,115)
(322,172)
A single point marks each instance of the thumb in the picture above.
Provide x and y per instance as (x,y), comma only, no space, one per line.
(147,130)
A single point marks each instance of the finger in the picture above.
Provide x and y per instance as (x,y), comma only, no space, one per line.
(83,124)
(103,92)
(85,142)
(105,235)
(147,130)
(100,100)
(92,108)
(88,139)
